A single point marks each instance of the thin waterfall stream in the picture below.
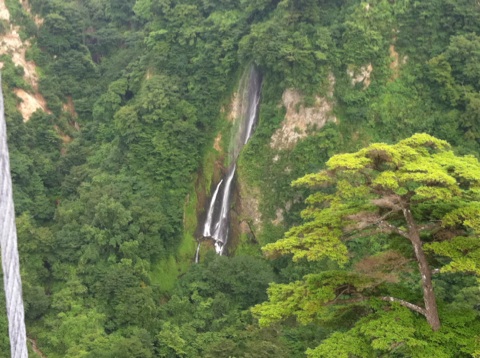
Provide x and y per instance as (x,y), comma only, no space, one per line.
(217,223)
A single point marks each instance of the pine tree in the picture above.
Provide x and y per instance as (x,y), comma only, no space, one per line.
(416,192)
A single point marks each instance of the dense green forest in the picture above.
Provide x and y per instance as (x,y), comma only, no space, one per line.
(370,254)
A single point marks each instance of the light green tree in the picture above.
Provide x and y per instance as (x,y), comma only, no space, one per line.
(416,193)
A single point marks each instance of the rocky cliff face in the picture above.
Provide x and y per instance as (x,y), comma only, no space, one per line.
(300,121)
(11,44)
(299,118)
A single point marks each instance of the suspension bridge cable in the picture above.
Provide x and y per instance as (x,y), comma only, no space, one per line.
(8,244)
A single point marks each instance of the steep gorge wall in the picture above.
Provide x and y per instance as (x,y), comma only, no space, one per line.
(303,118)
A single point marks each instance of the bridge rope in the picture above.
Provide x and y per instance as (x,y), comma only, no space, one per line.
(8,244)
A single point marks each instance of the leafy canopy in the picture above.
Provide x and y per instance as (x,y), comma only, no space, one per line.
(417,190)
(421,171)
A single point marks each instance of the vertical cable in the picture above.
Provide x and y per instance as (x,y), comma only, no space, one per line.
(8,244)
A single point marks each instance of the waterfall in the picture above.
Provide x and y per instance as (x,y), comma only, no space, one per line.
(207,230)
(220,232)
(217,222)
(8,243)
(197,254)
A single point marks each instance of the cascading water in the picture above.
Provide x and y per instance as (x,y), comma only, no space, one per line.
(207,229)
(197,254)
(217,222)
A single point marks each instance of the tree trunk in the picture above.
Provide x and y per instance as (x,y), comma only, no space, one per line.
(431,311)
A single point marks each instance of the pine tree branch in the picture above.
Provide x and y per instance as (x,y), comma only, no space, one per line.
(385,226)
(405,304)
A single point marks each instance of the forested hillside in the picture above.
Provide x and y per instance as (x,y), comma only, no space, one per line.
(119,116)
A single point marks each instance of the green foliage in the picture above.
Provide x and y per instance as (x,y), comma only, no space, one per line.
(456,73)
(101,218)
(20,17)
(304,299)
(295,52)
(420,169)
(398,332)
(205,316)
(4,342)
(12,74)
(362,195)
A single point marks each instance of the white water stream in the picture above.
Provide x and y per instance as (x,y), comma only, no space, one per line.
(217,222)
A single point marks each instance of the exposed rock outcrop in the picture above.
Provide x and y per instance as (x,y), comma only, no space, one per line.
(30,103)
(11,44)
(396,62)
(69,107)
(235,108)
(300,118)
(360,75)
(217,144)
